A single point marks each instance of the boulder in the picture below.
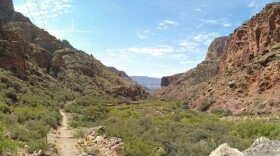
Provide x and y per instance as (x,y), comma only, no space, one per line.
(263,147)
(225,150)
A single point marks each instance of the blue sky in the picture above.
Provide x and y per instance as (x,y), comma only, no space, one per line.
(142,37)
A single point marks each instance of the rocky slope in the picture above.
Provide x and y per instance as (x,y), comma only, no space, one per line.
(120,73)
(241,72)
(27,50)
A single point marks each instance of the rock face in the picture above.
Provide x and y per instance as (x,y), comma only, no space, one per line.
(27,50)
(12,53)
(225,150)
(239,70)
(7,5)
(254,37)
(167,80)
(66,44)
(216,48)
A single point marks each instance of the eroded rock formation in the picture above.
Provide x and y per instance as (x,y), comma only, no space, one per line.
(216,48)
(253,37)
(249,57)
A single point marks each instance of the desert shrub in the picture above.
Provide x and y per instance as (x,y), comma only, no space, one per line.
(79,133)
(40,144)
(185,104)
(249,70)
(32,101)
(93,113)
(140,148)
(5,108)
(51,121)
(205,104)
(6,144)
(38,127)
(11,94)
(221,112)
(5,79)
(253,129)
(74,108)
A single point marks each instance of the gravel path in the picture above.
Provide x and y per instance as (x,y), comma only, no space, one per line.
(63,138)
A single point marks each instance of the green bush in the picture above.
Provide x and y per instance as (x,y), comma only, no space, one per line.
(5,108)
(6,144)
(40,144)
(205,104)
(185,104)
(32,101)
(221,112)
(11,94)
(253,129)
(139,148)
(249,70)
(93,113)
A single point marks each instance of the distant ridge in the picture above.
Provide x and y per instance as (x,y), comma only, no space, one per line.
(151,83)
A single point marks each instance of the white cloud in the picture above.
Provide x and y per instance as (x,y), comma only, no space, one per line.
(221,21)
(48,9)
(164,51)
(152,51)
(179,56)
(65,32)
(206,38)
(252,4)
(144,34)
(166,24)
(187,44)
(227,24)
(255,6)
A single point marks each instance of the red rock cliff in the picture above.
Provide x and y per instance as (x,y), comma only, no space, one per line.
(253,37)
(216,48)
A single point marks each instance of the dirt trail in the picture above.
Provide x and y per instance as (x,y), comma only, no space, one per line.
(63,138)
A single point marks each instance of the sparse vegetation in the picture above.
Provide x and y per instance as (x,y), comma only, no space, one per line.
(249,70)
(222,112)
(28,112)
(162,124)
(205,104)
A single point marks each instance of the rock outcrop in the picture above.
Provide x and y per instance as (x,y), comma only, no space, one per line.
(93,144)
(253,38)
(7,12)
(13,52)
(7,5)
(66,44)
(249,57)
(261,147)
(216,48)
(225,150)
(120,73)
